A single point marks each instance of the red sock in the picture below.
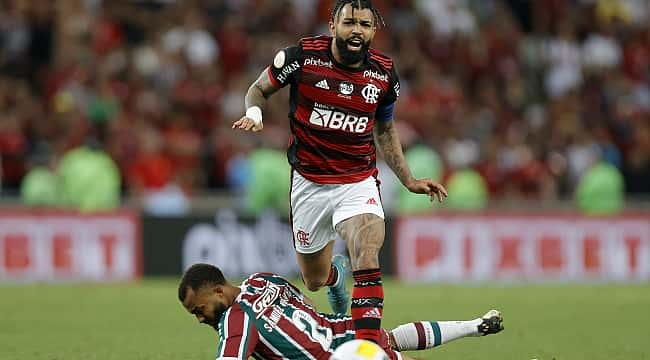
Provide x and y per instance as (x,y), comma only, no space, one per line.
(367,304)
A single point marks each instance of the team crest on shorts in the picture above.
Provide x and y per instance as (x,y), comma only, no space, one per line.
(303,238)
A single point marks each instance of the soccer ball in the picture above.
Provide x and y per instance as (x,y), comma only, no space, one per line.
(359,350)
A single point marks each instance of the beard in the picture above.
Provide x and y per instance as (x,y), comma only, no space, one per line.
(219,310)
(348,56)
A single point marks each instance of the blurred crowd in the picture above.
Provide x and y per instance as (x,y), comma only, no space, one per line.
(528,94)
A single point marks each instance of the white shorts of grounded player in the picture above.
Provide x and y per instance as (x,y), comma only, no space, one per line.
(317,208)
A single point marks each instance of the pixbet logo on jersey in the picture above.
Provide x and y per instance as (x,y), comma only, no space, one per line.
(375,75)
(337,120)
(318,62)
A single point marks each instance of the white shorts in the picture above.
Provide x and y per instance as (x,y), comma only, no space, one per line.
(316,209)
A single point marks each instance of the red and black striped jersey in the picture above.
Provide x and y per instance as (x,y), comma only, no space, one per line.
(333,109)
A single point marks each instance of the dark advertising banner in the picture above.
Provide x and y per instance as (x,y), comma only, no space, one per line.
(238,245)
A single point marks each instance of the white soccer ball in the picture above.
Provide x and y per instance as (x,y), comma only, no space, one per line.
(359,350)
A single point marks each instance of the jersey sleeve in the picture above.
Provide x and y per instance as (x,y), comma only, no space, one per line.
(286,64)
(386,106)
(238,335)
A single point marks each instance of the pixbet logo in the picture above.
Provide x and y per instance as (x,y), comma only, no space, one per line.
(318,62)
(375,75)
(337,120)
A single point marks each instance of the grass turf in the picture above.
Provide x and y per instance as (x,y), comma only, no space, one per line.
(145,321)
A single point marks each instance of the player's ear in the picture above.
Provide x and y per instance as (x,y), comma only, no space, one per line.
(217,289)
(332,28)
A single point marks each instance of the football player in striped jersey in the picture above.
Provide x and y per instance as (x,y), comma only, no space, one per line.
(266,317)
(341,103)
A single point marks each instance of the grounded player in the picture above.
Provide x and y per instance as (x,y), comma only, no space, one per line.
(341,104)
(268,318)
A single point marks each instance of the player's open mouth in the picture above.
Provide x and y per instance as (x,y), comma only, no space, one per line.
(355,44)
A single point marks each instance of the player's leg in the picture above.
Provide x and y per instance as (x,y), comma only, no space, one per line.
(359,220)
(364,236)
(313,233)
(427,334)
(316,268)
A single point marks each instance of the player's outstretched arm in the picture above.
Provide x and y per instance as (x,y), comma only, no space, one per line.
(255,101)
(391,149)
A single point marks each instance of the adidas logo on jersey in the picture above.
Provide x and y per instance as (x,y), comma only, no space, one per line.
(323,84)
(372,313)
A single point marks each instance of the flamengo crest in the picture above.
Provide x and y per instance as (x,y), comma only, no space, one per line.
(371,93)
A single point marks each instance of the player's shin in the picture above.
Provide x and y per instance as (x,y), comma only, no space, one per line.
(427,334)
(367,304)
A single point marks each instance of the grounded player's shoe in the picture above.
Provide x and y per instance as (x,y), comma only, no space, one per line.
(492,323)
(338,295)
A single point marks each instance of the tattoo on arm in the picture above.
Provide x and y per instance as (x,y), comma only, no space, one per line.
(391,149)
(260,91)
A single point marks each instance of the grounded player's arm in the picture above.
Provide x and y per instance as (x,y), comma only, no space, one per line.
(255,101)
(391,149)
(239,335)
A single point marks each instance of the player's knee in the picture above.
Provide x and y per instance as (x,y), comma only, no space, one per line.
(313,284)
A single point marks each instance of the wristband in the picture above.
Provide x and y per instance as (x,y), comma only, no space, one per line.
(254,113)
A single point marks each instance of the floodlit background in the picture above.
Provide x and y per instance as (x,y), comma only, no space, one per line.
(118,165)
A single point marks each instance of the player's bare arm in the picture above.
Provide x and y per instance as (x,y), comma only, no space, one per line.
(391,149)
(256,98)
(364,235)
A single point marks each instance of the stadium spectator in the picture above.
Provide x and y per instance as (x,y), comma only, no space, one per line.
(472,82)
(89,179)
(600,190)
(424,162)
(268,318)
(342,98)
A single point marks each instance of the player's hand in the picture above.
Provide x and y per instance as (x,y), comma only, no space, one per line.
(429,187)
(248,124)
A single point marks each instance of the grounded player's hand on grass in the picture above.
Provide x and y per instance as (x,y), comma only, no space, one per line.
(248,124)
(429,187)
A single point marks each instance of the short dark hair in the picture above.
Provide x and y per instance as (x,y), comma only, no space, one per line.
(358,4)
(198,276)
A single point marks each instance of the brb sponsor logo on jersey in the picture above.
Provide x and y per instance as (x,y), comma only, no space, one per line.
(325,116)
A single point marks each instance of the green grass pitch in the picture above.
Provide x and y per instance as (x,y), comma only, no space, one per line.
(144,320)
